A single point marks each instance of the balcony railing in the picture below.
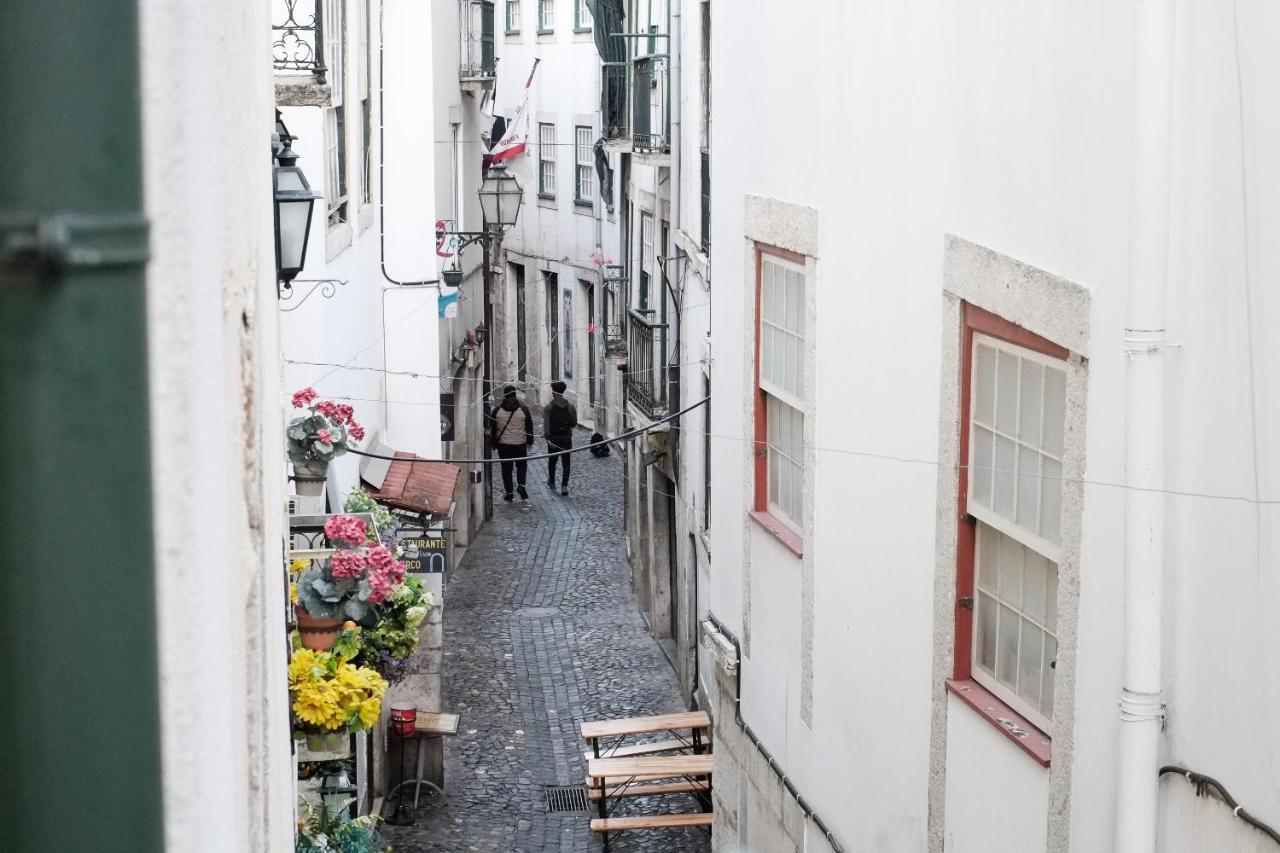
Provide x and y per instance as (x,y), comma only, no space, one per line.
(298,31)
(650,108)
(476,26)
(614,77)
(646,363)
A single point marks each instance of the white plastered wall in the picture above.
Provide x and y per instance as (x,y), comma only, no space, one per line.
(217,449)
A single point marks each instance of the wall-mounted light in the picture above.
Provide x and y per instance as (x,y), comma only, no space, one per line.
(294,201)
(452,278)
(482,334)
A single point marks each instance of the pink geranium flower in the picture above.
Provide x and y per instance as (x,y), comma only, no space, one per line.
(355,431)
(324,436)
(304,397)
(346,528)
(347,564)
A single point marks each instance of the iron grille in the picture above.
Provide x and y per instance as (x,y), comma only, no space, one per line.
(478,59)
(299,39)
(565,798)
(646,376)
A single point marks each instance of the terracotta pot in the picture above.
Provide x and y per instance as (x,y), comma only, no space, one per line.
(317,634)
(309,477)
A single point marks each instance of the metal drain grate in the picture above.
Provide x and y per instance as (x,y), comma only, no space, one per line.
(565,798)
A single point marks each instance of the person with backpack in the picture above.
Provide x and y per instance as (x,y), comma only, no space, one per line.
(559,418)
(511,430)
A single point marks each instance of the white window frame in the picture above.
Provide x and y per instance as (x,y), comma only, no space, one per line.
(335,28)
(581,17)
(1007,526)
(1031,540)
(584,186)
(336,184)
(546,16)
(547,160)
(790,399)
(513,20)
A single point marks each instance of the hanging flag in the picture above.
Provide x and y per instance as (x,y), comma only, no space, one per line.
(448,304)
(517,135)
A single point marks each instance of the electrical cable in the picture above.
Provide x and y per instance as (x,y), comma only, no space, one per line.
(620,437)
(1204,783)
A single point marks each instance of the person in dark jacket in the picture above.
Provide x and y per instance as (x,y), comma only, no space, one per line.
(559,418)
(511,431)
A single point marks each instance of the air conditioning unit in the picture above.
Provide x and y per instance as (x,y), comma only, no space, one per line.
(304,504)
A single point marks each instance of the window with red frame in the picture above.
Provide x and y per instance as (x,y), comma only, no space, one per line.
(780,378)
(1012,432)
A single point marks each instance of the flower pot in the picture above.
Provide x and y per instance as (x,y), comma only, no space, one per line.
(337,742)
(309,477)
(317,634)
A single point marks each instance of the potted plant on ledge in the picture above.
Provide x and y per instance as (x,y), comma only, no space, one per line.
(346,585)
(315,439)
(332,698)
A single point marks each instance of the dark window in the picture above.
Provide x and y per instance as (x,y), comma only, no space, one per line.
(553,324)
(522,345)
(593,332)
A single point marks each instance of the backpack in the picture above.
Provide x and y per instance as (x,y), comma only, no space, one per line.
(601,451)
(560,421)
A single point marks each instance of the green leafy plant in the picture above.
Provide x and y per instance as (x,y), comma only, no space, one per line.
(329,829)
(387,646)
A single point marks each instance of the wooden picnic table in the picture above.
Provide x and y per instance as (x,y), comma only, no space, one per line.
(592,731)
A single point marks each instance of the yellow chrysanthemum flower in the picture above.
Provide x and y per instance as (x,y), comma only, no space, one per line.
(293,592)
(312,708)
(300,666)
(369,711)
(298,565)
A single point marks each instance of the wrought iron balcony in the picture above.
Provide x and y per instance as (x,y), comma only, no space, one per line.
(478,62)
(614,117)
(650,105)
(646,376)
(297,30)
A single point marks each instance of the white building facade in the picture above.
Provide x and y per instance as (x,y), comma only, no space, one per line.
(935,502)
(553,303)
(360,323)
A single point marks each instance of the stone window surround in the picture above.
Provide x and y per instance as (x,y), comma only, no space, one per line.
(1057,310)
(793,228)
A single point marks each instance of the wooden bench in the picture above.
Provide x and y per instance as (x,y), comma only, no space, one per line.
(654,821)
(640,749)
(694,787)
(650,765)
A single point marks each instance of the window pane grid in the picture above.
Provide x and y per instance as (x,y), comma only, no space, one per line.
(583,150)
(582,15)
(784,443)
(1014,641)
(546,15)
(1016,422)
(547,159)
(513,16)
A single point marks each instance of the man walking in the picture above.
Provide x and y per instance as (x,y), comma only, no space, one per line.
(511,429)
(559,417)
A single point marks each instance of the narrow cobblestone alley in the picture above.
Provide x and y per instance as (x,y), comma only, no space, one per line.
(541,631)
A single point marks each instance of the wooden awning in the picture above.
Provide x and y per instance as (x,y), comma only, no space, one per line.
(419,486)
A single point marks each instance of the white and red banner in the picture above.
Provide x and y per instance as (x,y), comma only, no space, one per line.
(517,136)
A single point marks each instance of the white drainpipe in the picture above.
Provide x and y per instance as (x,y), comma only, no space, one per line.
(1142,697)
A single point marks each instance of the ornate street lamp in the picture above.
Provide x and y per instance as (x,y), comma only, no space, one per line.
(500,198)
(294,203)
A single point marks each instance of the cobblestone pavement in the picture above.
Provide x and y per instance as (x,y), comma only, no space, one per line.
(542,631)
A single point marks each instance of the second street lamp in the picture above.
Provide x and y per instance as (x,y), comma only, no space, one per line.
(500,198)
